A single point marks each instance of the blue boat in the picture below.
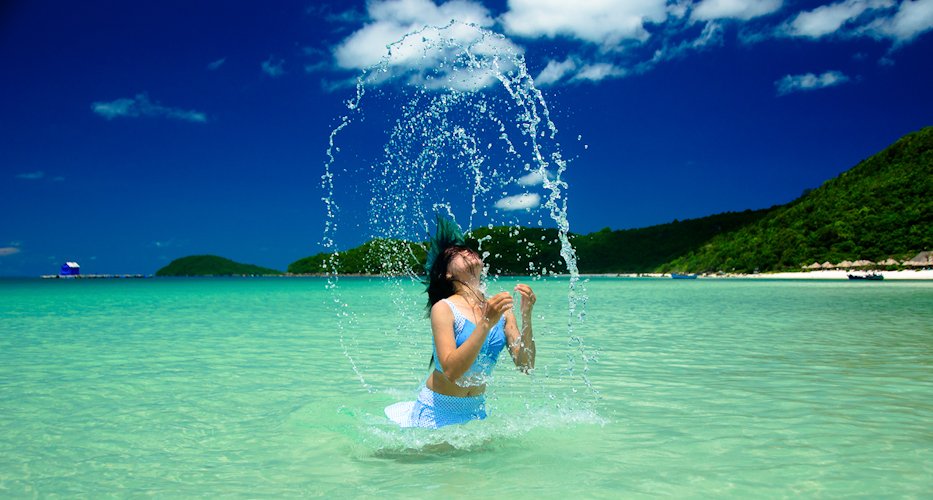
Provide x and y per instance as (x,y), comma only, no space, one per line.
(678,276)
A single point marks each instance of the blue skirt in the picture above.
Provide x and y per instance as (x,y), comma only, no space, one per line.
(433,410)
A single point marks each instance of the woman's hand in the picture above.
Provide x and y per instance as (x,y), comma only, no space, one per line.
(496,306)
(528,299)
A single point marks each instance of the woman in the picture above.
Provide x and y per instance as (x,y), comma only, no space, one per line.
(469,333)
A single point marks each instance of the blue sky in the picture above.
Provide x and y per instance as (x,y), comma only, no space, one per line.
(132,134)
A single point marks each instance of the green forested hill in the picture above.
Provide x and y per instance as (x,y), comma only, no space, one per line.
(645,249)
(507,250)
(379,256)
(211,265)
(526,250)
(882,207)
(518,250)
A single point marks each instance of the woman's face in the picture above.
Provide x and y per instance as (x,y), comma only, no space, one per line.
(465,266)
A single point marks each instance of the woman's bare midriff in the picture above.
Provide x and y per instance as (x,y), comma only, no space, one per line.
(438,383)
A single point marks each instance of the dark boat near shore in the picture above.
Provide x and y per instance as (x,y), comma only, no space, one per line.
(869,276)
(678,276)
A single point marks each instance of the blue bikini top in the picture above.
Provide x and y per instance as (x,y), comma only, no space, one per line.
(488,354)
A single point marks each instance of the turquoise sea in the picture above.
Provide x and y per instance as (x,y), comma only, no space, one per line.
(275,387)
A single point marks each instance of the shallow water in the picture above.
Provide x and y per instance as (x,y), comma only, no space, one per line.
(241,387)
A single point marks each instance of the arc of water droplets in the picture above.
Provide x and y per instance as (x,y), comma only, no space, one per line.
(527,97)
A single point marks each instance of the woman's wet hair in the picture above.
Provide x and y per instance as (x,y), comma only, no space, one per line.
(439,285)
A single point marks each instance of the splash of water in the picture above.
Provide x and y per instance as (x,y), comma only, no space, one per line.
(467,133)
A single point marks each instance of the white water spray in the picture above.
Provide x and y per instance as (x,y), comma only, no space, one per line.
(459,134)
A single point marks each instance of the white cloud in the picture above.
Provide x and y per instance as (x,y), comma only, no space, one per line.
(5,251)
(828,19)
(734,9)
(678,10)
(622,28)
(809,81)
(421,35)
(534,178)
(599,71)
(711,35)
(604,22)
(615,38)
(555,71)
(141,106)
(911,19)
(881,19)
(31,176)
(393,19)
(519,202)
(273,67)
(215,65)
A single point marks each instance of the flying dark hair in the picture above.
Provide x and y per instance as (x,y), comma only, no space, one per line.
(439,286)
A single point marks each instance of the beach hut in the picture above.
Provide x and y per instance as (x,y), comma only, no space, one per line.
(70,269)
(844,264)
(815,265)
(922,259)
(889,262)
(827,265)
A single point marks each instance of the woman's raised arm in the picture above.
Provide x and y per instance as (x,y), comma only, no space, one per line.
(522,341)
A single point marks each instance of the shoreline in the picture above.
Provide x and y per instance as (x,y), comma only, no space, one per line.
(923,274)
(902,275)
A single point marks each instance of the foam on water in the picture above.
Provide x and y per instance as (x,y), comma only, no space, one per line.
(385,440)
(463,132)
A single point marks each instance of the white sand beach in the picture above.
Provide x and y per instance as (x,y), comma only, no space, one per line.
(922,274)
(908,274)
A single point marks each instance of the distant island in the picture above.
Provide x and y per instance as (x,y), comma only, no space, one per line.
(212,265)
(880,210)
